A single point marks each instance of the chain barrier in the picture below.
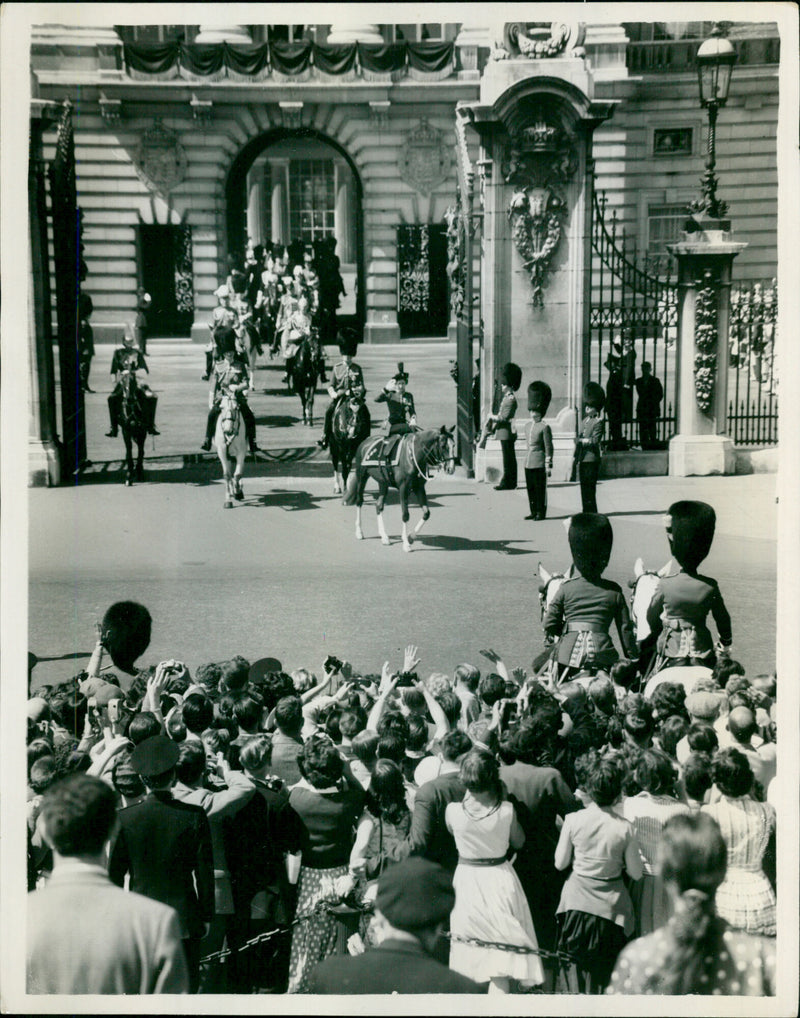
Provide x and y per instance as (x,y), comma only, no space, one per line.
(326,906)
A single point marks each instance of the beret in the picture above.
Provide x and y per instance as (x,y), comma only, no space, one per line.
(155,755)
(415,893)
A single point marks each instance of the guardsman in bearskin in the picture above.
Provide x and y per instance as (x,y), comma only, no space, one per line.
(585,607)
(539,461)
(587,445)
(510,380)
(230,373)
(683,600)
(128,358)
(347,381)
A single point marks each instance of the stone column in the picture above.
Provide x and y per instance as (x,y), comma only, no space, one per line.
(255,203)
(279,200)
(236,34)
(468,42)
(353,30)
(343,187)
(701,446)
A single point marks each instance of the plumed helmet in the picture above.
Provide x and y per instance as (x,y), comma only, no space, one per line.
(222,291)
(348,343)
(225,338)
(590,540)
(511,375)
(594,396)
(539,396)
(690,529)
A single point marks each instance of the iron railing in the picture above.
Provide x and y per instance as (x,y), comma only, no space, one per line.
(753,378)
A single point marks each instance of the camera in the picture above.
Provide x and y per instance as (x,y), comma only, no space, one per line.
(332,664)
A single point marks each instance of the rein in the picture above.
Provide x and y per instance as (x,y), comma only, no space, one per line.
(428,462)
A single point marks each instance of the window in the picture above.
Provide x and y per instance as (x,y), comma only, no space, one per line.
(157,33)
(664,226)
(312,199)
(673,141)
(433,32)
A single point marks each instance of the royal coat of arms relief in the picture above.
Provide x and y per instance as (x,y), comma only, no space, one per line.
(424,158)
(160,160)
(540,162)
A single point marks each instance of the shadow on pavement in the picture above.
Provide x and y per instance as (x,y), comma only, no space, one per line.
(290,500)
(447,542)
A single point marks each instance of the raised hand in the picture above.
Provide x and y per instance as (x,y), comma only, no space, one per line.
(491,655)
(410,660)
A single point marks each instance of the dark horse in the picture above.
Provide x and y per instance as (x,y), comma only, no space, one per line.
(350,425)
(133,424)
(407,470)
(303,371)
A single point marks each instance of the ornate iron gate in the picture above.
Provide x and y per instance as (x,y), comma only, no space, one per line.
(462,225)
(633,318)
(753,381)
(67,264)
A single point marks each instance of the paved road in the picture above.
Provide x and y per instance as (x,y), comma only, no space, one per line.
(282,574)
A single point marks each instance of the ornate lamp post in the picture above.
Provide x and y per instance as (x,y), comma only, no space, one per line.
(715,60)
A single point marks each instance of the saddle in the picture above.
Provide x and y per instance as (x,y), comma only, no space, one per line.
(383,451)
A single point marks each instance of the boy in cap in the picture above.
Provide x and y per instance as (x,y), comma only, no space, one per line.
(165,846)
(539,461)
(683,600)
(584,607)
(413,904)
(510,380)
(231,373)
(587,445)
(347,381)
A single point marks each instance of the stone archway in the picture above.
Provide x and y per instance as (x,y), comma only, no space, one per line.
(258,202)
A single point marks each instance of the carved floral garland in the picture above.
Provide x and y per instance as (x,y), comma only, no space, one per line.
(705,358)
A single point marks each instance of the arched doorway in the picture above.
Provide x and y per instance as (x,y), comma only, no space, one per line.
(298,184)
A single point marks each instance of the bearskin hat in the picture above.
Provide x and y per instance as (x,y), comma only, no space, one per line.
(348,343)
(690,530)
(539,396)
(590,540)
(511,375)
(225,338)
(594,396)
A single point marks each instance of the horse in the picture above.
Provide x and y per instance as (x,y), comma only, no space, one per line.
(133,425)
(350,425)
(643,589)
(303,371)
(250,340)
(412,457)
(230,440)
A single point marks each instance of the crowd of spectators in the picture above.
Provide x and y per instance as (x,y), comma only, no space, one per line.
(584,827)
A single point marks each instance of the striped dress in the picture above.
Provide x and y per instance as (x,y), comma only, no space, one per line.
(745,898)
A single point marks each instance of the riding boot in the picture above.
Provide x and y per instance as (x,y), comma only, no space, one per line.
(211,425)
(209,366)
(150,410)
(250,428)
(113,414)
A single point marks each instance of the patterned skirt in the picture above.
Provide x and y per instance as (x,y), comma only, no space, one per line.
(746,901)
(316,938)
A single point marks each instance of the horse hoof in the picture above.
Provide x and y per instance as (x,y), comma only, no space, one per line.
(337,490)
(128,482)
(385,540)
(359,535)
(228,504)
(407,547)
(239,496)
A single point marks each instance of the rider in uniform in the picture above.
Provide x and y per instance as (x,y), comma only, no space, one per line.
(400,404)
(230,373)
(222,315)
(128,358)
(347,380)
(680,607)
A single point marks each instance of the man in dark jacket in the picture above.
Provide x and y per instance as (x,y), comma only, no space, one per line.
(165,846)
(414,901)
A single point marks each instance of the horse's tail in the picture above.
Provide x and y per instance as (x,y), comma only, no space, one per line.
(351,488)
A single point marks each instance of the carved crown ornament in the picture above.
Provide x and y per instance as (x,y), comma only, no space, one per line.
(538,40)
(540,162)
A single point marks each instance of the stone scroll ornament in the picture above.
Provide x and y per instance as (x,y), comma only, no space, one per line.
(537,40)
(705,341)
(540,162)
(160,161)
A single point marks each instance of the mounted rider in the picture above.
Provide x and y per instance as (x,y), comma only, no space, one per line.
(223,315)
(230,374)
(127,358)
(347,382)
(402,419)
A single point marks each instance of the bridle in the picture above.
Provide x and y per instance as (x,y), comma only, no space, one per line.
(431,457)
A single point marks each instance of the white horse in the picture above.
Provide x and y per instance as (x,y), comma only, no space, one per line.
(643,589)
(231,444)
